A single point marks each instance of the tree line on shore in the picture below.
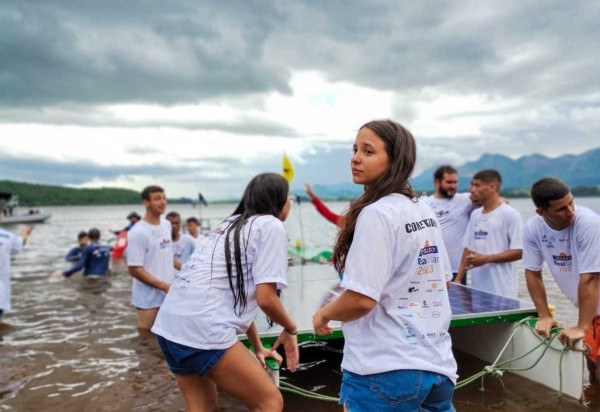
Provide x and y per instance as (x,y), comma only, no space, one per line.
(47,195)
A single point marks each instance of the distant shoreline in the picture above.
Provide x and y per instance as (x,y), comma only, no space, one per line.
(34,195)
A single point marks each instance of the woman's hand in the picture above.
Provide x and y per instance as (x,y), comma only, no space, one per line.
(290,346)
(262,354)
(321,323)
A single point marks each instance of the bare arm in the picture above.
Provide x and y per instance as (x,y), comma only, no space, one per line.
(267,299)
(537,291)
(259,349)
(25,231)
(177,263)
(462,267)
(143,276)
(348,306)
(588,301)
(475,259)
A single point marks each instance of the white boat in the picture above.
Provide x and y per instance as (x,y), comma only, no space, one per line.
(9,208)
(492,328)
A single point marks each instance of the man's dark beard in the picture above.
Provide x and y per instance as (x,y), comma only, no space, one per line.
(445,193)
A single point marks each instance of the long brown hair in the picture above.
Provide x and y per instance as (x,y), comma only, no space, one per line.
(402,153)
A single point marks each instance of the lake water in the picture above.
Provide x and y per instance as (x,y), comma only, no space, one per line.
(74,346)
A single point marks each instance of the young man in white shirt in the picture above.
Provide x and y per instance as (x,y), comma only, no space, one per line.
(150,257)
(183,244)
(452,210)
(10,244)
(568,240)
(493,239)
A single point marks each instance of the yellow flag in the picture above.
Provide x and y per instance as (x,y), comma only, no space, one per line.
(288,169)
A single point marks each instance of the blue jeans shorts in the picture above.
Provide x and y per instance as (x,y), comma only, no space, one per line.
(183,360)
(397,391)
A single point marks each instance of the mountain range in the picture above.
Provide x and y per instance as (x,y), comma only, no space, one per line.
(574,170)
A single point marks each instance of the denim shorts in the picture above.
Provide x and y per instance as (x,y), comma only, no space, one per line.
(183,360)
(397,391)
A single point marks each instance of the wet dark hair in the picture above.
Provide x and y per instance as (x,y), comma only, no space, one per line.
(440,171)
(547,189)
(192,219)
(266,194)
(489,176)
(148,190)
(172,214)
(94,234)
(81,235)
(402,152)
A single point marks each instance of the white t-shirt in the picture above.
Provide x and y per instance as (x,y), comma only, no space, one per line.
(568,252)
(495,232)
(199,308)
(184,247)
(10,244)
(150,246)
(453,215)
(398,259)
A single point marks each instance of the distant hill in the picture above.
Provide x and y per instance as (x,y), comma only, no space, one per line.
(580,172)
(47,195)
(574,170)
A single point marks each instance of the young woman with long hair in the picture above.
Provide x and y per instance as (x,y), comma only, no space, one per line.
(216,296)
(395,311)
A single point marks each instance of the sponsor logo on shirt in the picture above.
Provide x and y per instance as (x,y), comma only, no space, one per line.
(548,240)
(412,289)
(442,213)
(563,259)
(427,250)
(165,243)
(480,234)
(420,225)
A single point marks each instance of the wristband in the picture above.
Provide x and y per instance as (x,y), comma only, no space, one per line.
(289,332)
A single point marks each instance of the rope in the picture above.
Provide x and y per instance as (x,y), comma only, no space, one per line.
(288,387)
(497,369)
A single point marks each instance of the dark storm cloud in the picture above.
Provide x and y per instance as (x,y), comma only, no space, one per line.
(188,51)
(135,51)
(70,114)
(47,171)
(532,49)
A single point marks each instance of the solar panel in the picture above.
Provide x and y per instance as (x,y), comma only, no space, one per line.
(311,286)
(474,306)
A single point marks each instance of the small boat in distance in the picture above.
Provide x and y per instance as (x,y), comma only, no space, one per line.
(9,209)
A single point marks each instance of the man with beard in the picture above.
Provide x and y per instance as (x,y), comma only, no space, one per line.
(452,210)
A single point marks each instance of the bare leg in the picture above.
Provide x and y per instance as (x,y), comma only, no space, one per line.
(240,374)
(146,318)
(199,393)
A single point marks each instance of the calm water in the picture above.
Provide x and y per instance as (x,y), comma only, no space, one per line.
(73,346)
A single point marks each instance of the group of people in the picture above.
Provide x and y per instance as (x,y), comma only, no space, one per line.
(93,257)
(389,242)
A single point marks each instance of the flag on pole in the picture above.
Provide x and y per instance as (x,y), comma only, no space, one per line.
(288,169)
(201,199)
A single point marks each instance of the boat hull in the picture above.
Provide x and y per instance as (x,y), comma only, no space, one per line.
(25,218)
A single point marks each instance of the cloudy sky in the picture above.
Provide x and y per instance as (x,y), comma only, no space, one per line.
(201,95)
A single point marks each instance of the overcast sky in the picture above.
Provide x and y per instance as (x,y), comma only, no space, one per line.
(201,95)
